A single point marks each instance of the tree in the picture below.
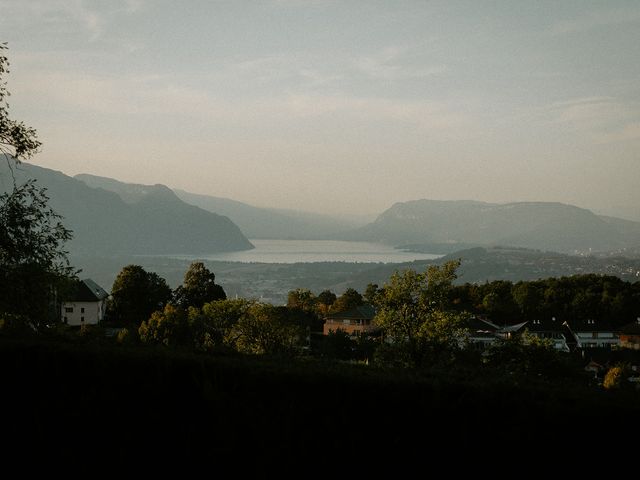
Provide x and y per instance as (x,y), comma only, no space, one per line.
(498,301)
(348,300)
(17,141)
(216,319)
(199,287)
(337,345)
(266,329)
(325,299)
(136,294)
(371,292)
(415,315)
(527,355)
(167,327)
(301,299)
(33,264)
(528,296)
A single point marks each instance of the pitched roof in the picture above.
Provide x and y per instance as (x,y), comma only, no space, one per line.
(512,328)
(361,312)
(479,327)
(545,325)
(87,291)
(590,326)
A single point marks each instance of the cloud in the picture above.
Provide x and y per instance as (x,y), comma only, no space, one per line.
(302,3)
(164,96)
(280,69)
(599,120)
(629,132)
(597,19)
(431,116)
(387,64)
(589,113)
(108,95)
(67,16)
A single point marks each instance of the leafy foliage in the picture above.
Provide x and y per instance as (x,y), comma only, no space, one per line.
(266,329)
(212,325)
(32,233)
(325,299)
(166,327)
(348,300)
(528,355)
(199,287)
(371,293)
(617,376)
(338,345)
(136,294)
(33,264)
(577,298)
(302,299)
(414,312)
(17,141)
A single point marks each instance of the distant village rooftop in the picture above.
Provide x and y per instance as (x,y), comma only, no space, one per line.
(354,321)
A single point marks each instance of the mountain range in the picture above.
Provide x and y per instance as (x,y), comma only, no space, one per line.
(154,222)
(255,222)
(460,224)
(110,216)
(431,226)
(273,223)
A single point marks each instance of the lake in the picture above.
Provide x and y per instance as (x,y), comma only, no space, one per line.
(311,251)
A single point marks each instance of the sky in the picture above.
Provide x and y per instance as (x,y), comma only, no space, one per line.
(337,106)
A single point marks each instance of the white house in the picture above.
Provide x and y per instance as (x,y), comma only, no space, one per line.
(86,305)
(592,334)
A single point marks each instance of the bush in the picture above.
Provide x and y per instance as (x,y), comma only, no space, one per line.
(617,377)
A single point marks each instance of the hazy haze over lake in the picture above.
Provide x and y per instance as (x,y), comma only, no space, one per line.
(294,251)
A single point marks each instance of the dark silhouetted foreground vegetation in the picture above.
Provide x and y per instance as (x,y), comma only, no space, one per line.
(68,400)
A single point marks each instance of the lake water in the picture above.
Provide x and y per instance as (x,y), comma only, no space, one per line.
(294,251)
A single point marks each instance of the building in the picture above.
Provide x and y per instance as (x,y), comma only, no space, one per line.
(595,334)
(480,332)
(511,331)
(86,304)
(630,335)
(550,329)
(356,321)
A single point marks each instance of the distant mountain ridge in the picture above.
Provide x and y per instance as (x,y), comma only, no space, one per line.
(539,225)
(154,222)
(441,225)
(273,223)
(255,222)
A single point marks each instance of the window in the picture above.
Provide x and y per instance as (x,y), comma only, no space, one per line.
(346,322)
(82,310)
(82,319)
(68,309)
(65,320)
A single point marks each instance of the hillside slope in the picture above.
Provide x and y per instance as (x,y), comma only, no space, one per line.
(255,222)
(156,223)
(539,225)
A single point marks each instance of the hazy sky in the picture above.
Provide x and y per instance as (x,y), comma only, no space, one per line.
(333,106)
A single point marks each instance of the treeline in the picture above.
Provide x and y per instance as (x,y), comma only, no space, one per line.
(576,298)
(197,315)
(604,298)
